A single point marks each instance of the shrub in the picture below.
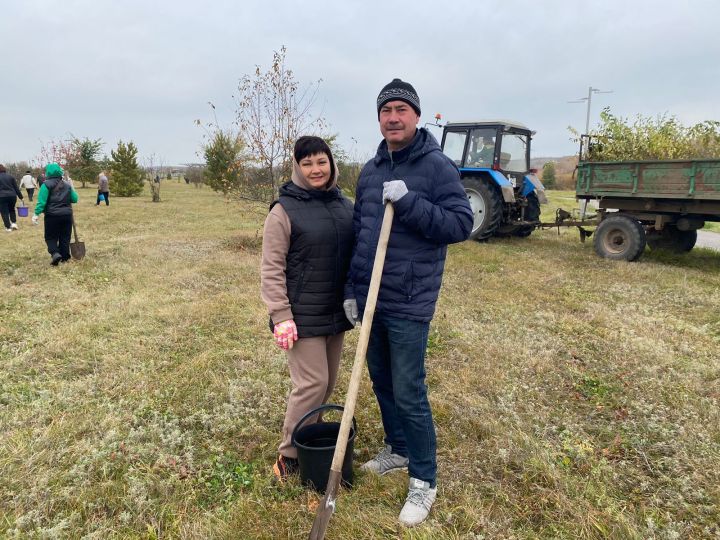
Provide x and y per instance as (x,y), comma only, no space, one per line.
(548,174)
(663,137)
(127,177)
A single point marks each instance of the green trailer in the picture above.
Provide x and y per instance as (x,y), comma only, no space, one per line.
(661,204)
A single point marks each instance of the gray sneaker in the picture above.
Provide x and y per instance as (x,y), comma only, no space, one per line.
(419,500)
(385,462)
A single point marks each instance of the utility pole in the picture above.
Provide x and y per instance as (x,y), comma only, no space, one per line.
(591,91)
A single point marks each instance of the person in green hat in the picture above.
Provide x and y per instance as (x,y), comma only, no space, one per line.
(55,199)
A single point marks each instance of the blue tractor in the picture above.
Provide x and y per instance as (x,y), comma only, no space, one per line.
(494,162)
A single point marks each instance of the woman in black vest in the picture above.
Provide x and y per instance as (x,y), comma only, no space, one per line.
(307,244)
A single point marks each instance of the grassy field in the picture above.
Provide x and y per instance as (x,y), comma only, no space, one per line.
(141,394)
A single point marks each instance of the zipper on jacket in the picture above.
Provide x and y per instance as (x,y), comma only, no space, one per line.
(337,275)
(337,248)
(408,279)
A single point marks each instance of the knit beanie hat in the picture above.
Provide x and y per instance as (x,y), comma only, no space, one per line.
(53,170)
(398,90)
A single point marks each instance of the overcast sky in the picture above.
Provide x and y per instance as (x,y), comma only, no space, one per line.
(145,70)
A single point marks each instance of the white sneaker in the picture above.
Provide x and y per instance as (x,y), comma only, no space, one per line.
(385,462)
(13,226)
(8,229)
(419,500)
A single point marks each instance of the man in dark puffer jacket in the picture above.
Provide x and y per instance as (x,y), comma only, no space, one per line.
(431,211)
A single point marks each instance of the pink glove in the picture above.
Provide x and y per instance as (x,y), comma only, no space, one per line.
(285,334)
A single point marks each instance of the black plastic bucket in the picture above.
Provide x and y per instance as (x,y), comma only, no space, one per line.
(315,445)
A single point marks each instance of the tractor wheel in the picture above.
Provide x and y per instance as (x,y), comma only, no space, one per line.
(486,205)
(619,238)
(673,240)
(532,213)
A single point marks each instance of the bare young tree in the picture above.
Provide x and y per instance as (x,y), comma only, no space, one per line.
(272,112)
(154,169)
(195,174)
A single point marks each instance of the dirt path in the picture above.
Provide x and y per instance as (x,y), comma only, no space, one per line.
(708,239)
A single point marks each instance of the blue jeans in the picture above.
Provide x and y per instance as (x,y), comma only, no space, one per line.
(396,362)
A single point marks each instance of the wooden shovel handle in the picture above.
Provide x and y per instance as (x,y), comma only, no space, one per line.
(363,340)
(326,506)
(74,227)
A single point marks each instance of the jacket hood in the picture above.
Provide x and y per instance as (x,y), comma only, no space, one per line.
(53,181)
(423,143)
(53,170)
(298,178)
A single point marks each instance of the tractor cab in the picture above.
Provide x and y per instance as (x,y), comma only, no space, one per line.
(494,162)
(496,145)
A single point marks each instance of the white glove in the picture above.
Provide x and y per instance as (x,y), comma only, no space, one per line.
(35,219)
(394,190)
(351,311)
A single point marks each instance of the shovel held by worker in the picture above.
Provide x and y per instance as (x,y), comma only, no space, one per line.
(327,504)
(77,248)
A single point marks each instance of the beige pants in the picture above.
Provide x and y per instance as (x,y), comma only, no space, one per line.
(314,364)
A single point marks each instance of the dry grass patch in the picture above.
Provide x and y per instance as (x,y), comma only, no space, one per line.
(142,397)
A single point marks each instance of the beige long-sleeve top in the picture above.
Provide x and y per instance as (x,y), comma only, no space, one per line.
(28,181)
(276,243)
(275,247)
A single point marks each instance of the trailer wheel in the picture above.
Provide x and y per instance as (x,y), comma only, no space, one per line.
(673,240)
(486,206)
(685,241)
(619,238)
(532,213)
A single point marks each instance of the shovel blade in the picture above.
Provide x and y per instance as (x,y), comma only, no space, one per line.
(326,507)
(77,250)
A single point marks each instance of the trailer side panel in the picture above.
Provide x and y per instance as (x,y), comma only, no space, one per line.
(696,179)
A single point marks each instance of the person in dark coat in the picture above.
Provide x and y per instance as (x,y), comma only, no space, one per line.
(9,194)
(431,211)
(55,199)
(307,244)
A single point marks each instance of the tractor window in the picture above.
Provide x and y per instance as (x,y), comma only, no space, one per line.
(513,153)
(482,148)
(454,145)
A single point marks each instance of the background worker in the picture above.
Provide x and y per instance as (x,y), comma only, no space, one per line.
(487,153)
(431,211)
(55,199)
(29,183)
(483,153)
(9,194)
(103,190)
